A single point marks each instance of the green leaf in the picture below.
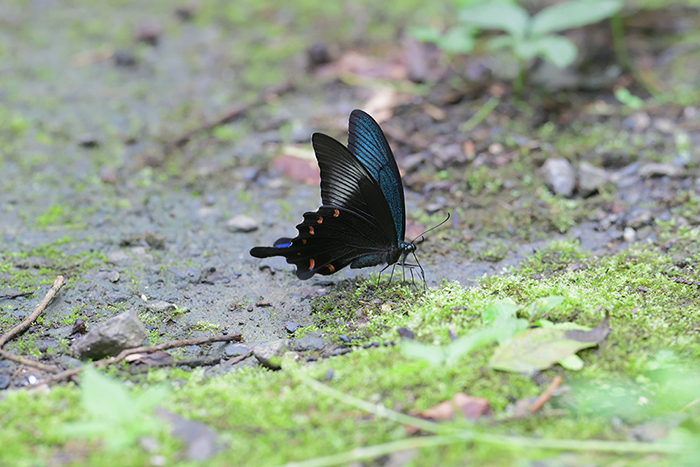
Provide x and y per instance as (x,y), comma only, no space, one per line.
(104,397)
(472,341)
(114,414)
(630,100)
(458,40)
(424,34)
(500,42)
(414,350)
(526,49)
(573,14)
(499,309)
(572,362)
(557,49)
(502,16)
(544,305)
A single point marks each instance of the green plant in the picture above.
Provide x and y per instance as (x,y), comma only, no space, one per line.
(527,37)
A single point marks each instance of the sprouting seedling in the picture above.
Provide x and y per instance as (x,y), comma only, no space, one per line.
(526,36)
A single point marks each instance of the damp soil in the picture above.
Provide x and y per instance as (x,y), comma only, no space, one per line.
(92,184)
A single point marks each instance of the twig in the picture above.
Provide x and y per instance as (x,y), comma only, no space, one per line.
(15,295)
(232,114)
(144,349)
(546,394)
(684,281)
(21,327)
(237,359)
(28,362)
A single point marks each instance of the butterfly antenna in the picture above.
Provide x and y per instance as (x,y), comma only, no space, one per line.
(430,229)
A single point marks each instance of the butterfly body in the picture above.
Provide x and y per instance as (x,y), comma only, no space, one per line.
(361,221)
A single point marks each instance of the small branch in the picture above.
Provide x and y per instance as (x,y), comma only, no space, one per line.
(28,362)
(684,281)
(237,359)
(546,394)
(15,295)
(144,349)
(58,283)
(232,114)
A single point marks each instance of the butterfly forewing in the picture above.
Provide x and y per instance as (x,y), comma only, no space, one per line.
(366,141)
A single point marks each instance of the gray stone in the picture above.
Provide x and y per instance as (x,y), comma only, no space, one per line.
(308,343)
(270,354)
(629,234)
(113,276)
(559,176)
(241,223)
(661,170)
(5,381)
(66,361)
(111,337)
(160,306)
(291,326)
(590,179)
(117,257)
(189,274)
(234,350)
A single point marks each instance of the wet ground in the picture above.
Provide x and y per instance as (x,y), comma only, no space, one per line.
(92,184)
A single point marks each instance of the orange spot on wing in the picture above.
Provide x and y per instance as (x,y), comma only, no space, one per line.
(312,263)
(311,230)
(303,241)
(336,213)
(320,220)
(330,267)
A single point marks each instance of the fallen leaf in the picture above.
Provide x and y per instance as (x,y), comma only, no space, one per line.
(538,349)
(470,407)
(298,164)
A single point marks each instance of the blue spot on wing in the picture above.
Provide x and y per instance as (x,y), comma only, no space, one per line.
(283,245)
(368,144)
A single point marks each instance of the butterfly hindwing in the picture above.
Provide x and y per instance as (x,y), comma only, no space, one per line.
(330,239)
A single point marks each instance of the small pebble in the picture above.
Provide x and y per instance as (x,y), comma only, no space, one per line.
(629,235)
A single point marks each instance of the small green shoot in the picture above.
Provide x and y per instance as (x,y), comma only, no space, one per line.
(627,98)
(115,416)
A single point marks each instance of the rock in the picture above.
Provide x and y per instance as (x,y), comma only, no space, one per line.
(270,354)
(559,176)
(637,218)
(638,121)
(307,343)
(234,350)
(111,337)
(5,381)
(664,125)
(113,276)
(590,178)
(160,306)
(317,55)
(241,223)
(629,234)
(661,170)
(66,361)
(291,327)
(189,274)
(117,257)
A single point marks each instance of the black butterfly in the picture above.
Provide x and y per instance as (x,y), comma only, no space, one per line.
(362,220)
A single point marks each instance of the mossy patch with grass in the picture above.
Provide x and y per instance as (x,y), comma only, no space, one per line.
(643,374)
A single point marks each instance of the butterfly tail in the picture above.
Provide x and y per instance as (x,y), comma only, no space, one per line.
(279,248)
